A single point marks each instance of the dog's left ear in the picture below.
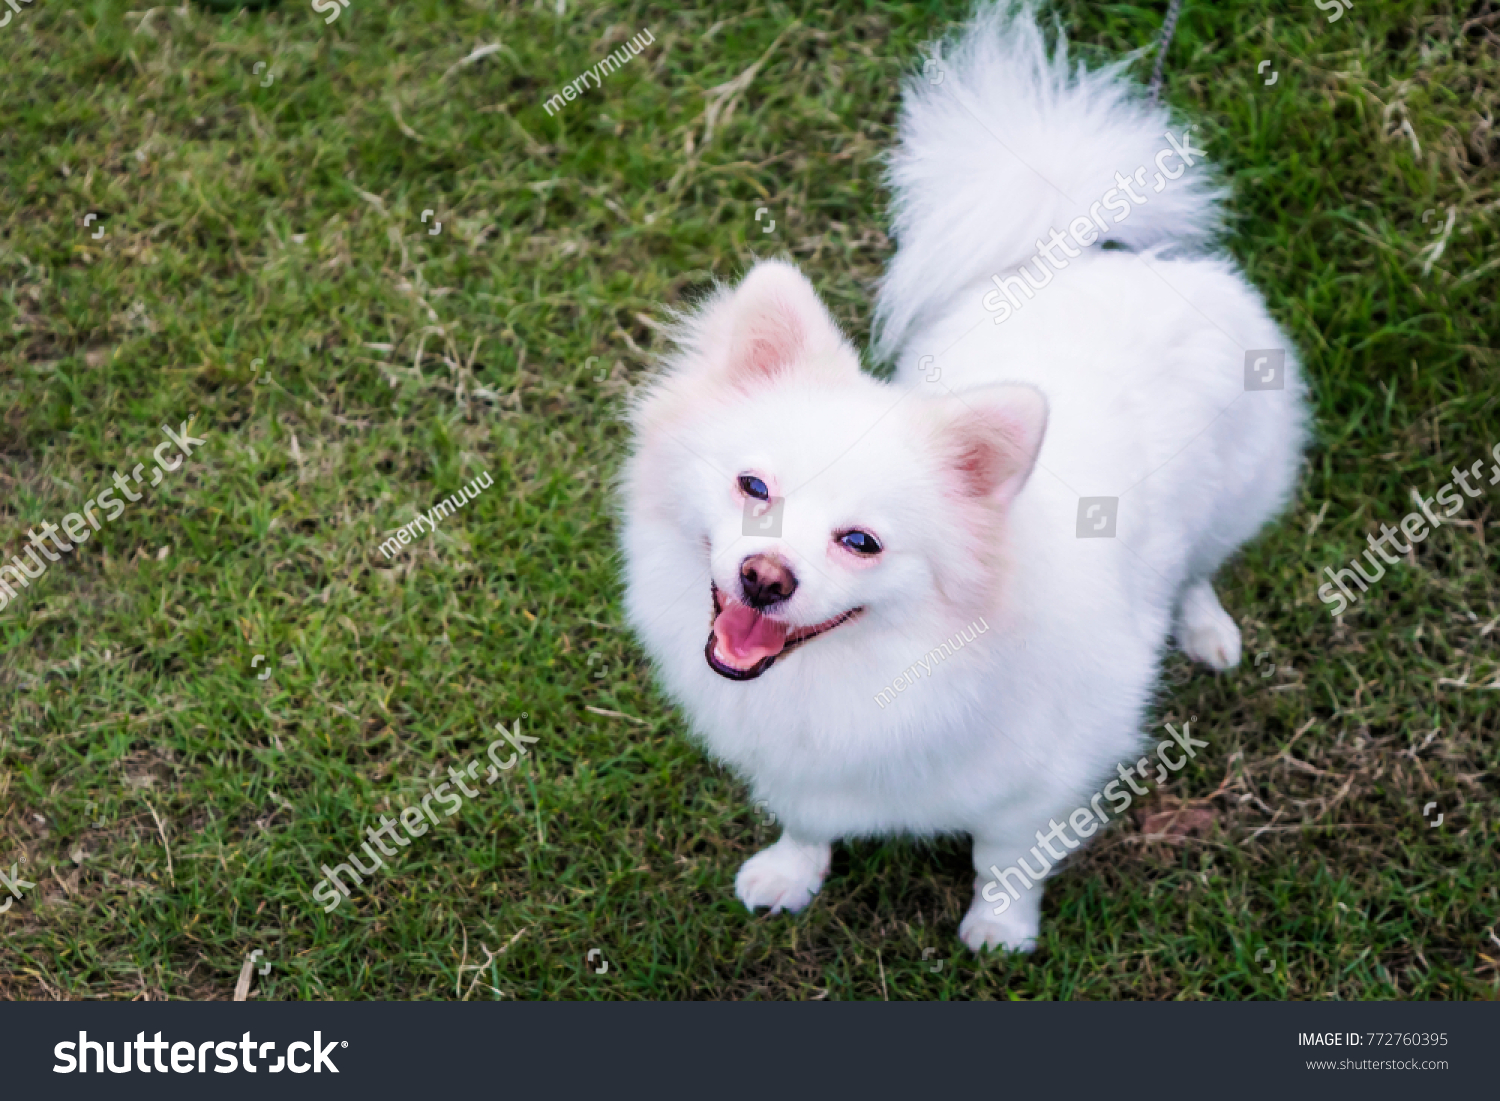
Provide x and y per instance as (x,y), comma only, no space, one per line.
(773,323)
(992,438)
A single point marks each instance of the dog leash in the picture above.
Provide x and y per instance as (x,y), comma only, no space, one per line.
(1161,51)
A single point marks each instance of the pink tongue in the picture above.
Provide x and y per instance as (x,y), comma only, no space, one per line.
(747,636)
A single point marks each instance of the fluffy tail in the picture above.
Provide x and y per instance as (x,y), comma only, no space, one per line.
(1001,143)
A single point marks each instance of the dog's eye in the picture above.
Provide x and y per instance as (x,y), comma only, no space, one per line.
(752,486)
(860,542)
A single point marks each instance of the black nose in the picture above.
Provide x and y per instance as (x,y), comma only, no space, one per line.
(766,580)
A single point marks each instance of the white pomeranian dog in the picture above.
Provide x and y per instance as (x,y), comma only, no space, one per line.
(1076,438)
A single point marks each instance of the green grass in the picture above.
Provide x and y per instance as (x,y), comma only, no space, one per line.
(282,223)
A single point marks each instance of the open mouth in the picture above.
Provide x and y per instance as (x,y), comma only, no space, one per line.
(743,643)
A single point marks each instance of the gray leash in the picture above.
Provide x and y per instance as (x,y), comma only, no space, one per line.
(1173,10)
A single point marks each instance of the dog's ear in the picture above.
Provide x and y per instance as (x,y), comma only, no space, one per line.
(773,323)
(992,437)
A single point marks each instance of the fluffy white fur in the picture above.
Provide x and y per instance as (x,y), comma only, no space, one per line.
(1123,377)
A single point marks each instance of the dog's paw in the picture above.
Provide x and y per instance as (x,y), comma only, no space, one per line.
(1012,931)
(1205,630)
(783,877)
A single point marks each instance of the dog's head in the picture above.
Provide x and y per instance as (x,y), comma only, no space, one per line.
(818,497)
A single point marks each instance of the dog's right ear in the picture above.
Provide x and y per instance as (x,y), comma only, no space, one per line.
(773,324)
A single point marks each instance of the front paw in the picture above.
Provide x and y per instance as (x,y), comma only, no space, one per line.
(783,877)
(1013,931)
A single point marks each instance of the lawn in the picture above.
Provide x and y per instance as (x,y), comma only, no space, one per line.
(263,268)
